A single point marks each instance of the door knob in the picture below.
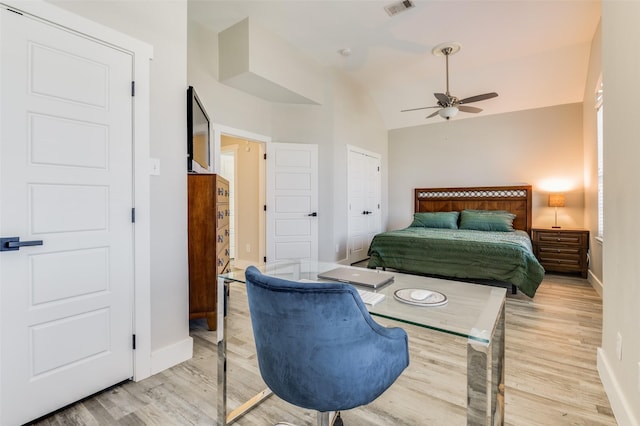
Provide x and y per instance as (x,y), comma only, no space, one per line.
(314,214)
(14,243)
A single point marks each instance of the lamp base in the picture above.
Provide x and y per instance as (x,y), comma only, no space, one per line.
(556,227)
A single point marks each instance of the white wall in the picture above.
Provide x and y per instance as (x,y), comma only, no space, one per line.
(347,116)
(225,105)
(164,26)
(536,147)
(621,281)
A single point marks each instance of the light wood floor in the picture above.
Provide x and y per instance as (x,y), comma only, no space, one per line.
(551,376)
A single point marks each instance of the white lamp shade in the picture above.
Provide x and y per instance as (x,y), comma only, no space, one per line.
(448,112)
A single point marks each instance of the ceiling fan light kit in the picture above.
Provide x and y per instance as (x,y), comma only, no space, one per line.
(451,105)
(448,112)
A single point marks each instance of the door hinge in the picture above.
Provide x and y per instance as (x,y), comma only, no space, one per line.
(133,341)
(265,156)
(265,259)
(265,207)
(133,215)
(133,88)
(378,168)
(14,11)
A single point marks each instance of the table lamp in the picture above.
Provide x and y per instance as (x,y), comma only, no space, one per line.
(556,200)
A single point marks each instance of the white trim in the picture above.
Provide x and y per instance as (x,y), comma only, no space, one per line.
(365,152)
(595,283)
(142,54)
(262,201)
(621,408)
(219,129)
(171,355)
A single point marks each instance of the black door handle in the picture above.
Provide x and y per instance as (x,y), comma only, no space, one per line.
(314,214)
(14,243)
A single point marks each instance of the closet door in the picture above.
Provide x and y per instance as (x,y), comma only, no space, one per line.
(66,190)
(364,199)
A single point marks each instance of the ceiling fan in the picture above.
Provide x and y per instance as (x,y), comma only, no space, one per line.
(450,105)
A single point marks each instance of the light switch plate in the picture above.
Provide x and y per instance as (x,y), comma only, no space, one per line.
(154,166)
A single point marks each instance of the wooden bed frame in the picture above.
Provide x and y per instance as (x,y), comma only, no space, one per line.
(515,199)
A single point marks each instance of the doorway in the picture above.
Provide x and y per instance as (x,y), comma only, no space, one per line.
(242,164)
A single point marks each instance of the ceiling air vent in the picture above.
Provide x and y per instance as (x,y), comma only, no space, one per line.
(397,7)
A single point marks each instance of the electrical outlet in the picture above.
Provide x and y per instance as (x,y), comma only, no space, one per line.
(337,248)
(248,248)
(619,346)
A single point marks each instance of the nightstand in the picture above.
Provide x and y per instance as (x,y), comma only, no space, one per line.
(561,250)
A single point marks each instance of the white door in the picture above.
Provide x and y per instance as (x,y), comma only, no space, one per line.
(364,202)
(65,180)
(292,202)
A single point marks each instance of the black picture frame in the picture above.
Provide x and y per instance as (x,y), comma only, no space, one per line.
(198,133)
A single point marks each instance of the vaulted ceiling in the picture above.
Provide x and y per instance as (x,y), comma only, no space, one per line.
(533,53)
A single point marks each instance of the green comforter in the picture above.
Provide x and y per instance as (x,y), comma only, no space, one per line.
(459,253)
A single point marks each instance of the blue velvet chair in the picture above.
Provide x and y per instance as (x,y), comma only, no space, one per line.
(317,345)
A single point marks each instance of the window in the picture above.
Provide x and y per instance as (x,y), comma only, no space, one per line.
(600,136)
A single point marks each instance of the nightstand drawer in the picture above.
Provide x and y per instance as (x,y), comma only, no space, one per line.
(557,251)
(568,238)
(574,261)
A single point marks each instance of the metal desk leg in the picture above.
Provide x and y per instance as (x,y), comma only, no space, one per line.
(223,418)
(485,378)
(222,354)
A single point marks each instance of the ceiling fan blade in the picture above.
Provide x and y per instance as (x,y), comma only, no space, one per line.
(466,108)
(433,114)
(442,98)
(416,109)
(478,98)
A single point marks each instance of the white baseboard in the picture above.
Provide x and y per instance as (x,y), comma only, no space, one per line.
(595,283)
(619,403)
(171,355)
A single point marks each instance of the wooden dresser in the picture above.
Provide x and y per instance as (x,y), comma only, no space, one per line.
(562,250)
(208,216)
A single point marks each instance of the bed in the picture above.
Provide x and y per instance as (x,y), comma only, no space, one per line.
(478,234)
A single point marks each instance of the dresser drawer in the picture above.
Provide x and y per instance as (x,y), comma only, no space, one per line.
(222,214)
(222,261)
(222,236)
(222,194)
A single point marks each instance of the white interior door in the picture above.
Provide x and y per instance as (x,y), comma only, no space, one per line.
(364,194)
(65,180)
(292,202)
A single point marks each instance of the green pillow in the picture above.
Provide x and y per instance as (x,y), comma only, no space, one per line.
(448,220)
(487,220)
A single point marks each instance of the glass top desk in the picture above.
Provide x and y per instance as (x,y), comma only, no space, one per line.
(473,311)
